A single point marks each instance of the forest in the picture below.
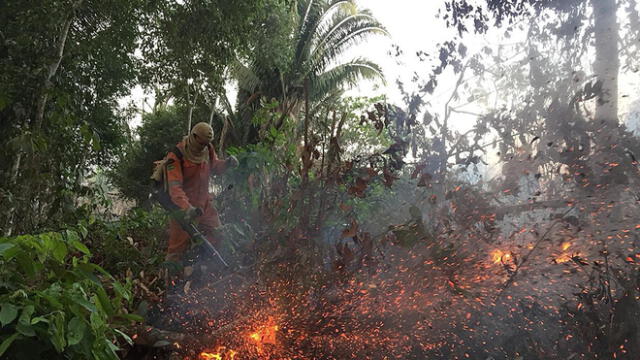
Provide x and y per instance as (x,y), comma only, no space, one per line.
(319,179)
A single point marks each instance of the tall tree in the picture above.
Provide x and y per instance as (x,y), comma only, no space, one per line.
(189,45)
(319,35)
(606,65)
(64,64)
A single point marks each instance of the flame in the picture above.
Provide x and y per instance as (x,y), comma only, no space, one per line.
(264,335)
(499,256)
(222,353)
(564,255)
(255,342)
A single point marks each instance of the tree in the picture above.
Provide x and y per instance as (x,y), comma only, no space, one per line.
(189,45)
(320,33)
(64,64)
(159,133)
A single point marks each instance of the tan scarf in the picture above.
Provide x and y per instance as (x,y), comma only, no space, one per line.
(193,150)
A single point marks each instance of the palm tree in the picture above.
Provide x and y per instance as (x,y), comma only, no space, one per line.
(321,31)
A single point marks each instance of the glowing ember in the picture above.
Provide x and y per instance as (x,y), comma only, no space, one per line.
(566,245)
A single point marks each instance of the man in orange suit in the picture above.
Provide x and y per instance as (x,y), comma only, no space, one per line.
(189,168)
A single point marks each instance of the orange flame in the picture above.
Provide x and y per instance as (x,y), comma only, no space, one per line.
(256,340)
(222,353)
(564,256)
(264,335)
(499,256)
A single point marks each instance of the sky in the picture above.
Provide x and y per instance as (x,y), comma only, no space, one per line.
(413,27)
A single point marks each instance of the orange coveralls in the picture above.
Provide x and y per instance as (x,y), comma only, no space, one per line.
(189,186)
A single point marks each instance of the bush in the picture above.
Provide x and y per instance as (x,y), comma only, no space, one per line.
(135,242)
(132,248)
(55,303)
(159,133)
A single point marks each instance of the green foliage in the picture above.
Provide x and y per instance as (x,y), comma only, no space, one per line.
(58,100)
(189,44)
(357,138)
(55,303)
(133,243)
(159,133)
(316,35)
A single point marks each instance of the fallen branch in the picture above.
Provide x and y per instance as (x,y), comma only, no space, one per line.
(147,335)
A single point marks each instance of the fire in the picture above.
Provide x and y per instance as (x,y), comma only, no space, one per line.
(254,342)
(564,256)
(222,353)
(265,335)
(499,256)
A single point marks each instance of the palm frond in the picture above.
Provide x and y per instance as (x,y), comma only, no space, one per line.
(344,31)
(345,75)
(246,76)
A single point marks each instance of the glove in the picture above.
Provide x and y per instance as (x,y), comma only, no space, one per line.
(232,162)
(193,212)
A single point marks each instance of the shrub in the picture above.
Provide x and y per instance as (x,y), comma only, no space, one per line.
(55,303)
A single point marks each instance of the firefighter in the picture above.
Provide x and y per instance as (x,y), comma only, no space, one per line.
(188,184)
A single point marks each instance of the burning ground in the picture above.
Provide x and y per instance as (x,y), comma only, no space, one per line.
(562,286)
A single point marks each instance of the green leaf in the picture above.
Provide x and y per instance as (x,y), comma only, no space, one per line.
(76,329)
(112,349)
(4,247)
(85,303)
(53,301)
(132,317)
(10,252)
(104,301)
(83,231)
(83,274)
(39,319)
(59,251)
(124,336)
(26,330)
(25,317)
(26,264)
(8,313)
(80,247)
(97,322)
(7,342)
(56,331)
(24,322)
(93,267)
(120,290)
(73,239)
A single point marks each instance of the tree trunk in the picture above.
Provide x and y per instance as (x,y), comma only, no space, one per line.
(607,62)
(223,134)
(41,105)
(214,101)
(52,69)
(190,113)
(306,163)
